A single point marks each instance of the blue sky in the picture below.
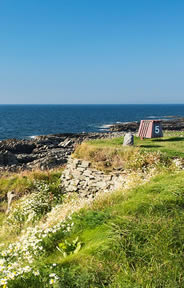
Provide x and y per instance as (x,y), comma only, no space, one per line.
(91,51)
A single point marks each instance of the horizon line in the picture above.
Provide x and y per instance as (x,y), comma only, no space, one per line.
(91,104)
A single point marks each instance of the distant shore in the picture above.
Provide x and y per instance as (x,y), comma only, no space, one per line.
(173,124)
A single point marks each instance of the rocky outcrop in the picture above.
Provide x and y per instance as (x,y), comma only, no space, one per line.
(43,152)
(17,146)
(7,158)
(79,177)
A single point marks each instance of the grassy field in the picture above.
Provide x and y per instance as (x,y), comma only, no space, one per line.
(173,146)
(131,238)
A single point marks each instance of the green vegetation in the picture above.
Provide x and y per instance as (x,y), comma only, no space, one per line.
(132,238)
(36,193)
(23,182)
(107,154)
(128,240)
(172,146)
(138,242)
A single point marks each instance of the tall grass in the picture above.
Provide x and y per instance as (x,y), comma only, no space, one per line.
(23,182)
(110,157)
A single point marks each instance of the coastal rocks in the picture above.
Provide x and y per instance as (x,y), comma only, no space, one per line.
(174,123)
(17,146)
(43,152)
(7,158)
(79,177)
(49,160)
(128,139)
(126,127)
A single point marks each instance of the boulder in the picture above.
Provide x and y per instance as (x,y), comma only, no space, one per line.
(128,139)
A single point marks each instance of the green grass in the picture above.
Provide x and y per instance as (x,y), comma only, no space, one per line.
(23,183)
(132,239)
(172,146)
(110,154)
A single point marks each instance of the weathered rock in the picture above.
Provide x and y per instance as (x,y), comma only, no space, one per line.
(66,143)
(128,139)
(17,146)
(26,158)
(7,158)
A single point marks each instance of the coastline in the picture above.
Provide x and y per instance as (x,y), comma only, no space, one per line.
(50,151)
(173,124)
(45,151)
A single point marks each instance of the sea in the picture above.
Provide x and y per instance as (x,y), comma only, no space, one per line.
(28,121)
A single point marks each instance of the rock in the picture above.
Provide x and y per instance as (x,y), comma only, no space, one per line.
(7,158)
(128,139)
(24,158)
(66,143)
(85,164)
(17,146)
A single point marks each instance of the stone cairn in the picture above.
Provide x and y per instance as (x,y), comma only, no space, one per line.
(79,177)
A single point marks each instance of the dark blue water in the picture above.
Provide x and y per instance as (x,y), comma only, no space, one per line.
(22,121)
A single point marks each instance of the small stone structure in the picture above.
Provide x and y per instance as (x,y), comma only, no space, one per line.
(80,177)
(128,139)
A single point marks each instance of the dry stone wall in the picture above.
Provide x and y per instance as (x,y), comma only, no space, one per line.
(80,177)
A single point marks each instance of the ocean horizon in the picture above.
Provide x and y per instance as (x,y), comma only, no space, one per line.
(29,120)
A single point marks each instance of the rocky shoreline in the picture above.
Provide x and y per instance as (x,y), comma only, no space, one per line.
(173,124)
(43,152)
(50,151)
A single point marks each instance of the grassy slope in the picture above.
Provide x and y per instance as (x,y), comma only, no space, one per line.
(132,239)
(21,184)
(129,238)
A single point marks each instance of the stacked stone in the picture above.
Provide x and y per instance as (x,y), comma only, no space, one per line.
(80,177)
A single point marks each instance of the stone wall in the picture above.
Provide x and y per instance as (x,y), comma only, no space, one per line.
(80,177)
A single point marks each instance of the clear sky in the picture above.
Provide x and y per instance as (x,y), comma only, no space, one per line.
(91,51)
